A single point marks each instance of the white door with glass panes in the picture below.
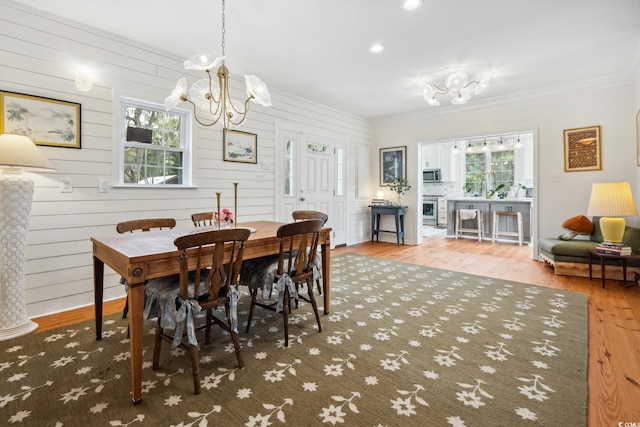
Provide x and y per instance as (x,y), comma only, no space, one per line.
(309,178)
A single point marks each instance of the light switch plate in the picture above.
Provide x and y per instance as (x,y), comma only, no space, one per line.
(66,185)
(103,186)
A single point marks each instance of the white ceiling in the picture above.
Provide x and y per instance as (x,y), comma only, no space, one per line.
(318,49)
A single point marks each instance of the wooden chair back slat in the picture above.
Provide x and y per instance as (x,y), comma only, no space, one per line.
(201,219)
(300,258)
(224,263)
(145,224)
(301,215)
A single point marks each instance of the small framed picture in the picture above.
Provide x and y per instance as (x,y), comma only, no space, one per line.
(582,149)
(393,164)
(46,121)
(240,146)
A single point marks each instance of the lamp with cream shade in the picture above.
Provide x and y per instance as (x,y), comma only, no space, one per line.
(611,201)
(17,153)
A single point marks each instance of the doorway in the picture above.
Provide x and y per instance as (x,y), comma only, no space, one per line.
(311,166)
(479,166)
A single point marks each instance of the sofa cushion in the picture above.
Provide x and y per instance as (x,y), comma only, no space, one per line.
(596,234)
(631,238)
(571,248)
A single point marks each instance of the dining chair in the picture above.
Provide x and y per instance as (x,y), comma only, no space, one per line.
(145,224)
(178,299)
(301,215)
(298,243)
(202,219)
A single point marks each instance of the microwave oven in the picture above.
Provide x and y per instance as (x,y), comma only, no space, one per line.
(431,175)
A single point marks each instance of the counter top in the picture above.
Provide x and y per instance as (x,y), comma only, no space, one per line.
(484,199)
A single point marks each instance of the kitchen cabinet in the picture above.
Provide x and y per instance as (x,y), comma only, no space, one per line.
(439,156)
(488,207)
(431,156)
(442,212)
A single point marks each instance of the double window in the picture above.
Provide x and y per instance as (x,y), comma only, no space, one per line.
(486,171)
(155,145)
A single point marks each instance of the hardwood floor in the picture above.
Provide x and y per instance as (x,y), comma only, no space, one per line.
(614,313)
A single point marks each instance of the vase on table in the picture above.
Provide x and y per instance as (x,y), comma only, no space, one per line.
(399,199)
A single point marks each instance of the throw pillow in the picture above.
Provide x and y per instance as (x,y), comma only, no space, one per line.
(579,224)
(568,235)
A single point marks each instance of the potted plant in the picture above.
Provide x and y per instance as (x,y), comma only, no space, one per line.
(400,186)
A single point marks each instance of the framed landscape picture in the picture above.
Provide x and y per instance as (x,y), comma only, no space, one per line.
(46,121)
(393,164)
(240,146)
(582,149)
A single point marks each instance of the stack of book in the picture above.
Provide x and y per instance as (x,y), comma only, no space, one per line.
(610,248)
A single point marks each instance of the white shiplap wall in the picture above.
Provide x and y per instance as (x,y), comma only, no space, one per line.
(38,56)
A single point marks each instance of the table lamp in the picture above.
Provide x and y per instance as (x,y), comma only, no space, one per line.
(611,201)
(17,153)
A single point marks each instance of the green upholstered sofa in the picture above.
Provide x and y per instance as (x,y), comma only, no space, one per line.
(570,258)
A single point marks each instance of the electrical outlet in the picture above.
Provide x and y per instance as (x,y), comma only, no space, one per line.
(66,186)
(103,186)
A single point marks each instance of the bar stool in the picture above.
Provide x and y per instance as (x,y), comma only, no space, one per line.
(468,215)
(496,226)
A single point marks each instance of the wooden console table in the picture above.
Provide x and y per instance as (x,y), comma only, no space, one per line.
(397,212)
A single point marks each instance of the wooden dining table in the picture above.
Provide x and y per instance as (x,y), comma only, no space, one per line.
(141,256)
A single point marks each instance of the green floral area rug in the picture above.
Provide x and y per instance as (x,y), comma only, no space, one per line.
(404,345)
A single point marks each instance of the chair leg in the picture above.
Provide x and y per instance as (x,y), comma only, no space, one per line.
(195,367)
(312,300)
(319,286)
(157,346)
(125,310)
(207,332)
(236,345)
(254,294)
(286,308)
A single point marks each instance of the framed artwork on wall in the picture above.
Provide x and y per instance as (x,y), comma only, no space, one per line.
(582,149)
(240,146)
(393,164)
(46,121)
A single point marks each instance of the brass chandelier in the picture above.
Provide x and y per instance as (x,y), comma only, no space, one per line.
(215,103)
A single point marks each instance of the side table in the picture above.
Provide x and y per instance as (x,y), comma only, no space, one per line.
(592,253)
(396,211)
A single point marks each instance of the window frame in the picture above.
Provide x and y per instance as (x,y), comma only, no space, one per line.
(186,142)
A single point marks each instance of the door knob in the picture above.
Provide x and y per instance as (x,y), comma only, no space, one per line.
(302,199)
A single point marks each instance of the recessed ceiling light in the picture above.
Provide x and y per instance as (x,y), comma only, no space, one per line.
(377,47)
(411,4)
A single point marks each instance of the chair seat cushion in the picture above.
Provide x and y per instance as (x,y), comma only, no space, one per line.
(161,296)
(261,272)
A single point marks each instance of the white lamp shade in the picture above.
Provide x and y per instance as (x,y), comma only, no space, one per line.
(19,152)
(612,199)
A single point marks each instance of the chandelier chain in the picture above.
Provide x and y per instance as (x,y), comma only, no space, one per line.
(223,28)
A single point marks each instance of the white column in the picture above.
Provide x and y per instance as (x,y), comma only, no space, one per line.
(16,195)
